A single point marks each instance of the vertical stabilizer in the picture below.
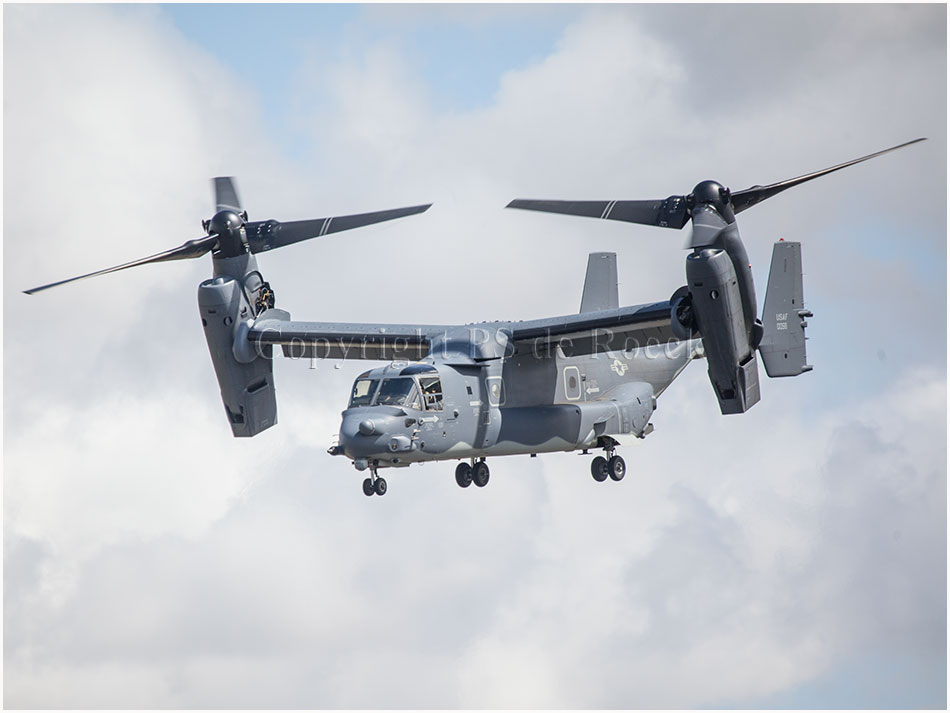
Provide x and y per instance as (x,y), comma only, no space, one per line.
(783,317)
(600,285)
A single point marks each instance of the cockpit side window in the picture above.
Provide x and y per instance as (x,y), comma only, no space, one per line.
(399,392)
(431,392)
(363,391)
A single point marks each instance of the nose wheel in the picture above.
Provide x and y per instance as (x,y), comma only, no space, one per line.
(374,485)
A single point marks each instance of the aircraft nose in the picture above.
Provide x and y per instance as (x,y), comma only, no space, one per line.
(350,428)
(364,434)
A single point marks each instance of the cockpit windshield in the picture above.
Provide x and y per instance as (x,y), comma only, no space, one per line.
(363,391)
(400,391)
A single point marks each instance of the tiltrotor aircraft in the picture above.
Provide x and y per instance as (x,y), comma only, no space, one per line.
(468,392)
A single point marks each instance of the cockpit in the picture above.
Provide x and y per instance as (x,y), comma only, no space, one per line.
(417,386)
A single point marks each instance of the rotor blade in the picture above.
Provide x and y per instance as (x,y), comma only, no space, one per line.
(191,249)
(756,194)
(225,195)
(269,234)
(668,213)
(707,225)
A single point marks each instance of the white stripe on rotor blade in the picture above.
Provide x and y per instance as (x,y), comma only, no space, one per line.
(610,207)
(326,226)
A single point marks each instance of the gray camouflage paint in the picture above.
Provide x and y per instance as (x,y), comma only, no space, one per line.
(554,384)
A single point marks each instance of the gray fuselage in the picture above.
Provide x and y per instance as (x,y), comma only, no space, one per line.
(442,408)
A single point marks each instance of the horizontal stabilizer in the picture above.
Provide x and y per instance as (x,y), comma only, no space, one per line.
(600,285)
(783,317)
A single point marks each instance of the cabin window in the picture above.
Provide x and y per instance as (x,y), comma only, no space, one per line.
(496,390)
(363,391)
(431,392)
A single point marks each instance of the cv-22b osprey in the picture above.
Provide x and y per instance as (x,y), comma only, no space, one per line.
(586,381)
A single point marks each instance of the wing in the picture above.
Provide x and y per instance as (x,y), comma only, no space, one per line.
(619,329)
(341,340)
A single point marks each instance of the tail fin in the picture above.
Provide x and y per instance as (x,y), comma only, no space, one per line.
(783,317)
(600,285)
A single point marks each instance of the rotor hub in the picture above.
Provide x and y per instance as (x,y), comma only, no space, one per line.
(229,227)
(715,195)
(225,223)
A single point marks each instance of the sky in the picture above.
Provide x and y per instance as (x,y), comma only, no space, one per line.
(791,557)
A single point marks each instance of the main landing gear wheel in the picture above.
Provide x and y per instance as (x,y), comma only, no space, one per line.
(368,487)
(380,486)
(616,468)
(598,469)
(480,474)
(463,475)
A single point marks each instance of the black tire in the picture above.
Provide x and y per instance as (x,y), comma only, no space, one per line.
(480,474)
(368,487)
(616,468)
(380,486)
(463,475)
(598,469)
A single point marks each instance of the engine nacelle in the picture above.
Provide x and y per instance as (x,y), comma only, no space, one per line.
(247,385)
(717,307)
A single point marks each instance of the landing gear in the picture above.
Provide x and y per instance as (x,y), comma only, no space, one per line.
(598,469)
(477,473)
(374,485)
(612,465)
(480,474)
(463,475)
(616,468)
